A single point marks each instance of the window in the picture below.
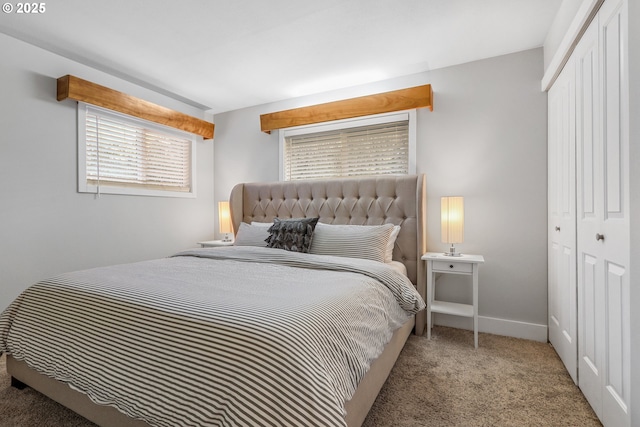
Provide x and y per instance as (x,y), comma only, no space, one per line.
(374,145)
(119,154)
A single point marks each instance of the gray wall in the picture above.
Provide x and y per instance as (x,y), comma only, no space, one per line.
(485,140)
(46,227)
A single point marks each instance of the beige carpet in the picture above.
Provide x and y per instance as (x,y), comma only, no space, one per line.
(442,382)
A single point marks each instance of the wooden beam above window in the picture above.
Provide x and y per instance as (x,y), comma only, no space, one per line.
(397,100)
(92,93)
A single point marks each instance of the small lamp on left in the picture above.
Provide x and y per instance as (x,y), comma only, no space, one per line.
(224,221)
(452,222)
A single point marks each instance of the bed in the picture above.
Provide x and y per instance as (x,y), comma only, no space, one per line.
(303,390)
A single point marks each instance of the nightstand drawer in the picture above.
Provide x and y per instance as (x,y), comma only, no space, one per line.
(453,267)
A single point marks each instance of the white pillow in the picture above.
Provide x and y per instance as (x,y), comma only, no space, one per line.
(353,241)
(262,224)
(392,243)
(253,234)
(398,266)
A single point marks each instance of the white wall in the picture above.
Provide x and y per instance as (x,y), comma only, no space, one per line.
(565,15)
(485,140)
(46,227)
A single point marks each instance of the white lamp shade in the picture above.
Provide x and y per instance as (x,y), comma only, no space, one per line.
(224,218)
(452,219)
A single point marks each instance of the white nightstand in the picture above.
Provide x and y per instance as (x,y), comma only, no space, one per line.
(466,265)
(214,243)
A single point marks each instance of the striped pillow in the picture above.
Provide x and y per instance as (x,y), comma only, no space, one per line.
(353,241)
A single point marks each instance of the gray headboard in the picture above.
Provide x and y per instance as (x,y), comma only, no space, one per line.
(395,199)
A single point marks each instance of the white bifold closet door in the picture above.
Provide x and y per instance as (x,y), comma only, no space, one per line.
(562,220)
(602,147)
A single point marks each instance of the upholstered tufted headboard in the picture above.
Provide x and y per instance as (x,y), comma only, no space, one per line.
(399,200)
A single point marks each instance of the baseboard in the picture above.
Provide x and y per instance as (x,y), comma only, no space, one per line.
(492,325)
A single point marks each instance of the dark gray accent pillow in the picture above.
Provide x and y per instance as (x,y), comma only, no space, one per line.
(291,234)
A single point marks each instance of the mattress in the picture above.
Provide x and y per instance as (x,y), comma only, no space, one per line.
(217,336)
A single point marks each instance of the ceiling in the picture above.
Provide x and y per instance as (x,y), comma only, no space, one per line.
(223,55)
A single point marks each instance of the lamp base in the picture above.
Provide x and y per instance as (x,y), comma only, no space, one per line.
(452,252)
(227,238)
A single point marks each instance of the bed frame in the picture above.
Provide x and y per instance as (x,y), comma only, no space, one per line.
(399,200)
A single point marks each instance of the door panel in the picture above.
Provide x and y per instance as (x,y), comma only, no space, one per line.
(603,215)
(614,325)
(589,188)
(562,223)
(591,338)
(611,42)
(615,218)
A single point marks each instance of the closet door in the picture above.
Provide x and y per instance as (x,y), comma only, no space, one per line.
(603,214)
(615,216)
(590,290)
(562,220)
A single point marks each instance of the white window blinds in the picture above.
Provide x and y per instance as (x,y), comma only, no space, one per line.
(373,149)
(134,156)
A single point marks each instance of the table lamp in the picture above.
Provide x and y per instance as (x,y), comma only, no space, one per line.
(452,222)
(224,220)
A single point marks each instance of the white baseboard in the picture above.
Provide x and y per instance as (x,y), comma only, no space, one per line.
(492,325)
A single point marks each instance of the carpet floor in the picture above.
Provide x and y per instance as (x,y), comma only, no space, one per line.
(443,382)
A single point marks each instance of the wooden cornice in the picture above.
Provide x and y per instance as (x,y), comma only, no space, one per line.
(397,100)
(92,93)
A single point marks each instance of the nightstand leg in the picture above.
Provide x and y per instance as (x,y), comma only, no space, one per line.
(475,304)
(430,282)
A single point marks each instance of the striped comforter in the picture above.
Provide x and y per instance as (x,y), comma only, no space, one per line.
(232,336)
